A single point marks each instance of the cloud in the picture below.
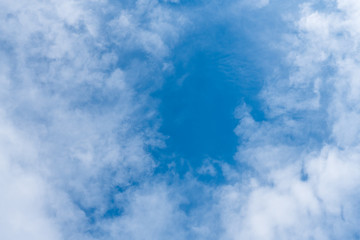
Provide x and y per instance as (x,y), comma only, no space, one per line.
(150,212)
(76,123)
(23,193)
(304,179)
(77,119)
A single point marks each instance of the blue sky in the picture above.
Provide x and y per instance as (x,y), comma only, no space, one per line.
(179,119)
(217,66)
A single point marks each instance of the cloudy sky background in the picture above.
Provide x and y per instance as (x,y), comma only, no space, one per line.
(179,119)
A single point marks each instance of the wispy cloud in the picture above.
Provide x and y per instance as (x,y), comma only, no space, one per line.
(78,118)
(304,155)
(76,111)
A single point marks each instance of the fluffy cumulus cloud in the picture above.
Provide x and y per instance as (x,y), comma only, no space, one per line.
(78,121)
(76,115)
(304,182)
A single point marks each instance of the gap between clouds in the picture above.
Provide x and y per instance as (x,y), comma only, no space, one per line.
(77,117)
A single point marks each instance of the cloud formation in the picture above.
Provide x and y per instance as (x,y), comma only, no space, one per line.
(76,112)
(305,154)
(78,122)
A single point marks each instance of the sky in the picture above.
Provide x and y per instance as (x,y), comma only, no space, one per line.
(180,119)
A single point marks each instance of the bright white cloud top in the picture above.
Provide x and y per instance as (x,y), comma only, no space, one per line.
(80,120)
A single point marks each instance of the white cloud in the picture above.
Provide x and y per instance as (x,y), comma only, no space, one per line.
(151,212)
(22,203)
(73,130)
(301,190)
(74,125)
